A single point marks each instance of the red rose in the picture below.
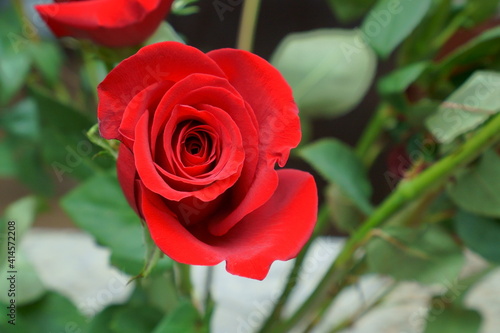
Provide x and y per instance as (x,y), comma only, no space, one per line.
(113,23)
(201,134)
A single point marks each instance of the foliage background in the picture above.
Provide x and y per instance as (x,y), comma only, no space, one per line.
(409,102)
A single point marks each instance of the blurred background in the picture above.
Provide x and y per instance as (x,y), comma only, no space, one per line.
(425,65)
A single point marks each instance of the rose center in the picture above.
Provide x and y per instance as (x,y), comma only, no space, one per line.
(194,145)
(196,148)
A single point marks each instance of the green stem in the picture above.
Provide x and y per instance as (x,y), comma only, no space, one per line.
(446,33)
(405,192)
(248,24)
(183,279)
(451,293)
(367,148)
(153,255)
(364,310)
(293,277)
(420,210)
(151,261)
(357,270)
(208,302)
(97,139)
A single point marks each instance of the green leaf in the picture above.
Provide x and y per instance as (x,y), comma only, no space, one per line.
(338,164)
(65,146)
(184,7)
(65,118)
(344,212)
(7,167)
(102,321)
(329,70)
(134,319)
(480,10)
(349,10)
(422,43)
(22,120)
(477,190)
(164,33)
(14,62)
(184,319)
(161,291)
(467,108)
(481,48)
(94,68)
(14,68)
(52,313)
(427,255)
(9,21)
(137,315)
(480,234)
(23,142)
(417,114)
(390,22)
(99,207)
(399,80)
(452,319)
(109,146)
(48,59)
(29,165)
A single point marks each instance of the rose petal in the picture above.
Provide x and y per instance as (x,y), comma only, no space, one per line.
(166,61)
(201,89)
(127,175)
(148,172)
(275,231)
(258,193)
(147,99)
(258,179)
(269,95)
(229,159)
(201,138)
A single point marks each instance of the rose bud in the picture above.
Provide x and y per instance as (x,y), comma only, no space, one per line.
(112,23)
